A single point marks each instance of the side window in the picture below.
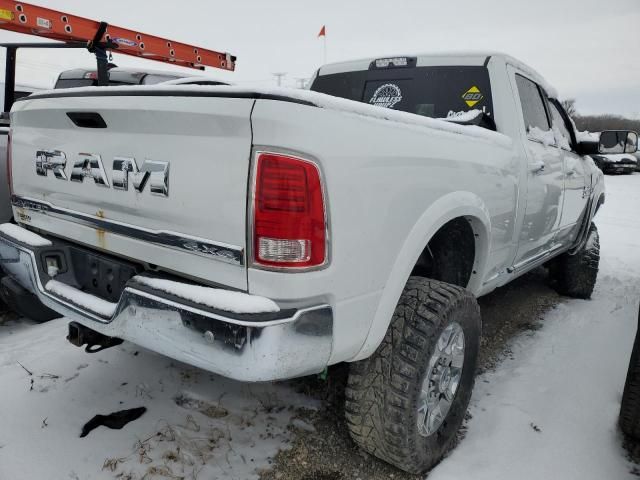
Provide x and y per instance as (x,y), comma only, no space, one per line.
(533,111)
(560,130)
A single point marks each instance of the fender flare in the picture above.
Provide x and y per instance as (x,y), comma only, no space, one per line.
(593,205)
(453,205)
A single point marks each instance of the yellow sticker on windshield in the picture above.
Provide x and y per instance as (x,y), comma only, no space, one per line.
(472,96)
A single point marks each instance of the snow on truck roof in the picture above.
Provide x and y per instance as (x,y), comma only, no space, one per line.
(306,97)
(444,58)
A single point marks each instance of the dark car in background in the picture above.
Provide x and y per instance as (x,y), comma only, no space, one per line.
(624,163)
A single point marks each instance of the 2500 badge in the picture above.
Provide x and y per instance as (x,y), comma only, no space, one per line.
(154,172)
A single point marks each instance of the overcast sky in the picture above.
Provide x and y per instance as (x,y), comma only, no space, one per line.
(588,49)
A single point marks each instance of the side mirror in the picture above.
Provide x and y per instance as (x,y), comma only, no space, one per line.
(618,141)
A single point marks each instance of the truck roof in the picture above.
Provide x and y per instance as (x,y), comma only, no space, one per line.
(442,58)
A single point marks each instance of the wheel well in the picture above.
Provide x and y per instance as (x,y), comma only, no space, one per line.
(450,254)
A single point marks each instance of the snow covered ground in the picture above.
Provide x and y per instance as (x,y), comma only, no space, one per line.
(549,412)
(198,425)
(552,411)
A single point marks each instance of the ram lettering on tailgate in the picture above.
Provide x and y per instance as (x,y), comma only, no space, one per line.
(154,172)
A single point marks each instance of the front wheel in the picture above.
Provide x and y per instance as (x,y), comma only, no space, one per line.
(405,403)
(575,275)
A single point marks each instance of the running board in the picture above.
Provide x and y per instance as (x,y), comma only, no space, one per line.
(535,260)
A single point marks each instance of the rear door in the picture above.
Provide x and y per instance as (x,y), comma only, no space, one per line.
(159,178)
(545,175)
(575,181)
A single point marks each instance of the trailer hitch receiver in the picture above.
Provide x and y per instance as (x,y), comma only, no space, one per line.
(80,335)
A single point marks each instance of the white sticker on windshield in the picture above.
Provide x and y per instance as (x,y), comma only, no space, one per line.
(386,96)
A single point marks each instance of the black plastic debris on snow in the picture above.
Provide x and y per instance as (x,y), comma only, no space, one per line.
(115,420)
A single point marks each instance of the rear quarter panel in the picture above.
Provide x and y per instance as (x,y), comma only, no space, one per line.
(389,187)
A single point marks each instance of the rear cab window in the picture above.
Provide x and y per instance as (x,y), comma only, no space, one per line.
(430,91)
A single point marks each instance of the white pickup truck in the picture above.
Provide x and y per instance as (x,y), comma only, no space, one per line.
(264,234)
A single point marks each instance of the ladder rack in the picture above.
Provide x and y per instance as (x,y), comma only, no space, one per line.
(55,25)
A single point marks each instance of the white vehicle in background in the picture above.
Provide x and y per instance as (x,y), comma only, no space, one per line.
(265,234)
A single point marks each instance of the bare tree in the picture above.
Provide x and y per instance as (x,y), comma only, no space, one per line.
(598,123)
(569,106)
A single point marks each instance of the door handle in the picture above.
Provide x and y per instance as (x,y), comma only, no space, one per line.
(537,167)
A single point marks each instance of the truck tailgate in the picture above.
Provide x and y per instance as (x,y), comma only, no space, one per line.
(162,180)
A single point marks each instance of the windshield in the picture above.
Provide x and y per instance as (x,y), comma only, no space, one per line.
(437,92)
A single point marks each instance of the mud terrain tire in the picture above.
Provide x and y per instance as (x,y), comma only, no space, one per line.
(383,391)
(575,275)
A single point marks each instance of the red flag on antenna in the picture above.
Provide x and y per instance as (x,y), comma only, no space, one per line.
(323,32)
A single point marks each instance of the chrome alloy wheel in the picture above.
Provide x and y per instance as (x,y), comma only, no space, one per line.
(441,382)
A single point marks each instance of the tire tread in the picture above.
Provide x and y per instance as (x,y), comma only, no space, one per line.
(380,389)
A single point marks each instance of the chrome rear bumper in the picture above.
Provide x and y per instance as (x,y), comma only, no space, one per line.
(247,347)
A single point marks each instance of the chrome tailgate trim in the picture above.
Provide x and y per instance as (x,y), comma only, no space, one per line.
(220,251)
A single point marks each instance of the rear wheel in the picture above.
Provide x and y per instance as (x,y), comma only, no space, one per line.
(575,275)
(405,403)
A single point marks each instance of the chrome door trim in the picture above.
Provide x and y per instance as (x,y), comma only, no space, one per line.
(178,241)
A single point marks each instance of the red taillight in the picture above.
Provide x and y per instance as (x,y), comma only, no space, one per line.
(9,173)
(289,222)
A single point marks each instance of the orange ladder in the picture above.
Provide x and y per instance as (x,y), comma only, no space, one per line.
(43,22)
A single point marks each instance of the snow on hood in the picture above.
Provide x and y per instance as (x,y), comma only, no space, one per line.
(314,98)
